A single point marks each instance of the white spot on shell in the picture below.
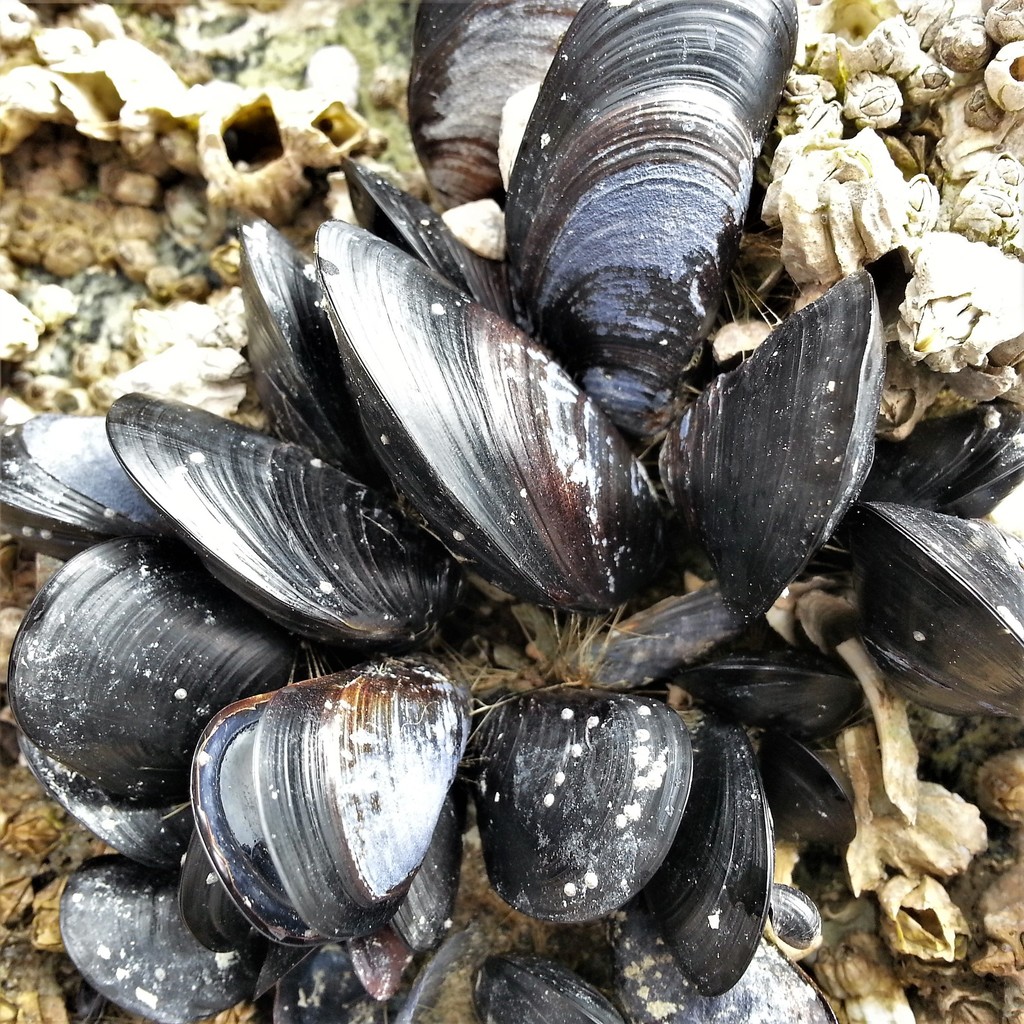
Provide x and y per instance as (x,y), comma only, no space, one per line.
(590,880)
(567,714)
(197,458)
(147,997)
(544,140)
(456,535)
(326,587)
(643,711)
(180,693)
(714,919)
(549,799)
(559,778)
(569,889)
(437,309)
(103,951)
(919,636)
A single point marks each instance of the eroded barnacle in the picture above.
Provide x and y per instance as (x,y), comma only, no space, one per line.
(990,207)
(1004,21)
(841,203)
(1003,77)
(962,302)
(919,918)
(22,328)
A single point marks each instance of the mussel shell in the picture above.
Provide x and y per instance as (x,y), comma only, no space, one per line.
(62,489)
(962,465)
(293,354)
(120,925)
(808,794)
(652,990)
(123,656)
(323,988)
(711,894)
(626,201)
(302,541)
(154,836)
(794,917)
(228,824)
(406,222)
(941,603)
(579,794)
(798,692)
(769,458)
(658,641)
(514,469)
(351,774)
(468,58)
(206,907)
(532,990)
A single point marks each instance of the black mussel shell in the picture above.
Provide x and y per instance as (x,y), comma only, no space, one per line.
(120,925)
(62,489)
(769,458)
(229,827)
(154,836)
(962,465)
(351,774)
(405,221)
(799,692)
(293,354)
(808,794)
(579,794)
(513,468)
(658,641)
(123,656)
(468,58)
(626,202)
(532,990)
(794,917)
(941,603)
(652,990)
(710,896)
(206,907)
(305,543)
(324,988)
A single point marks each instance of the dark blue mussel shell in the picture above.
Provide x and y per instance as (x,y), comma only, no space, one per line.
(626,201)
(62,489)
(302,541)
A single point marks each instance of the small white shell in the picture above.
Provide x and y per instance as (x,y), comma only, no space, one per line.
(1004,79)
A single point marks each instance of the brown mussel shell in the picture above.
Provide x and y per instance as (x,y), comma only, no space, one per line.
(579,794)
(768,459)
(941,604)
(302,541)
(123,656)
(515,470)
(626,201)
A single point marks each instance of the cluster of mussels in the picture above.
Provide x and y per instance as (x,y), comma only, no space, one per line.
(262,818)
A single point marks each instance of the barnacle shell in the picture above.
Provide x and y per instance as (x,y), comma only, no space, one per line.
(841,203)
(468,58)
(452,396)
(627,199)
(963,301)
(919,918)
(22,329)
(990,208)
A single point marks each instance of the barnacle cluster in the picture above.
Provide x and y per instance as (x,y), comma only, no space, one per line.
(899,135)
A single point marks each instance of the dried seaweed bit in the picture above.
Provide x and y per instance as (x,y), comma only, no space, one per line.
(948,831)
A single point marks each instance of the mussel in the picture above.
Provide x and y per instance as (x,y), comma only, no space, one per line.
(626,201)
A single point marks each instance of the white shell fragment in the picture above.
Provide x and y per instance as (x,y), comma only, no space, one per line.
(19,335)
(963,301)
(479,226)
(514,116)
(842,203)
